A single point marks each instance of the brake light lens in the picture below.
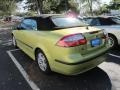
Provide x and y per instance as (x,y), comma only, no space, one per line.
(72,40)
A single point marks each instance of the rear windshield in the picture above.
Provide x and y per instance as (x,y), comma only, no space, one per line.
(63,22)
(57,23)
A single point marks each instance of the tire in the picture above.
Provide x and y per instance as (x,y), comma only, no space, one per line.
(14,43)
(42,62)
(113,41)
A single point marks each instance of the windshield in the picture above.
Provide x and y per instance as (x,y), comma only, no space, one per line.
(107,21)
(101,21)
(91,21)
(64,22)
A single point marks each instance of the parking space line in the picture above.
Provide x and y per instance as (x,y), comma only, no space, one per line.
(114,55)
(22,71)
(13,50)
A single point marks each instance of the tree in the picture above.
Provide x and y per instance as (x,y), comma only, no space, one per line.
(35,5)
(48,6)
(115,5)
(8,6)
(65,5)
(102,10)
(88,5)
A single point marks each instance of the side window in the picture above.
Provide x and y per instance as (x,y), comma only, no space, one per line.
(87,20)
(29,24)
(26,24)
(33,24)
(107,21)
(95,22)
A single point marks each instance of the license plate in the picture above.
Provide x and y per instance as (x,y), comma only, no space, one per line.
(95,42)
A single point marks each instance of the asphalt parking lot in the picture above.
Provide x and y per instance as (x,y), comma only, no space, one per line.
(19,72)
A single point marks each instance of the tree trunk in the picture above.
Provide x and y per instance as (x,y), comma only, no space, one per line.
(66,5)
(90,6)
(39,6)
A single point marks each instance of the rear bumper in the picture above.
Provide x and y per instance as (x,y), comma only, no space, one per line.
(79,67)
(83,61)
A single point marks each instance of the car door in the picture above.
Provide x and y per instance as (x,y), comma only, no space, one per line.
(24,36)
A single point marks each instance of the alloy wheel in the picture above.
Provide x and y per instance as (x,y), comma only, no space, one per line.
(42,61)
(112,42)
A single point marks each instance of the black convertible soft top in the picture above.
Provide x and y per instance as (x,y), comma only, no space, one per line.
(44,16)
(44,21)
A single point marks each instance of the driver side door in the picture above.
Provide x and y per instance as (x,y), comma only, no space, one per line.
(24,35)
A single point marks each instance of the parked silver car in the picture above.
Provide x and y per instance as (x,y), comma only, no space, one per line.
(110,24)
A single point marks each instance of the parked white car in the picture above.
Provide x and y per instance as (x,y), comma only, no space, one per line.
(110,24)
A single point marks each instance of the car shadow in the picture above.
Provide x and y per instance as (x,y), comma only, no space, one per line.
(95,79)
(114,59)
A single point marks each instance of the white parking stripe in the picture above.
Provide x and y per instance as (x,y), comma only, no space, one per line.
(13,50)
(114,55)
(22,71)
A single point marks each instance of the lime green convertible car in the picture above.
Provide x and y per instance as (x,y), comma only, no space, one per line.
(60,43)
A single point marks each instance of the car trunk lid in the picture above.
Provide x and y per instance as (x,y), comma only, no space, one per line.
(95,38)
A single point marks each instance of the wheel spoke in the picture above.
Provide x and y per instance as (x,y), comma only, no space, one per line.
(112,42)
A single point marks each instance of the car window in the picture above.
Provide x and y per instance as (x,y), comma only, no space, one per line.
(67,22)
(92,21)
(95,22)
(88,20)
(29,24)
(57,23)
(107,21)
(33,24)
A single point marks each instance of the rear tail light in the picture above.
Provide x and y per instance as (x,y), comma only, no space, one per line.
(72,40)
